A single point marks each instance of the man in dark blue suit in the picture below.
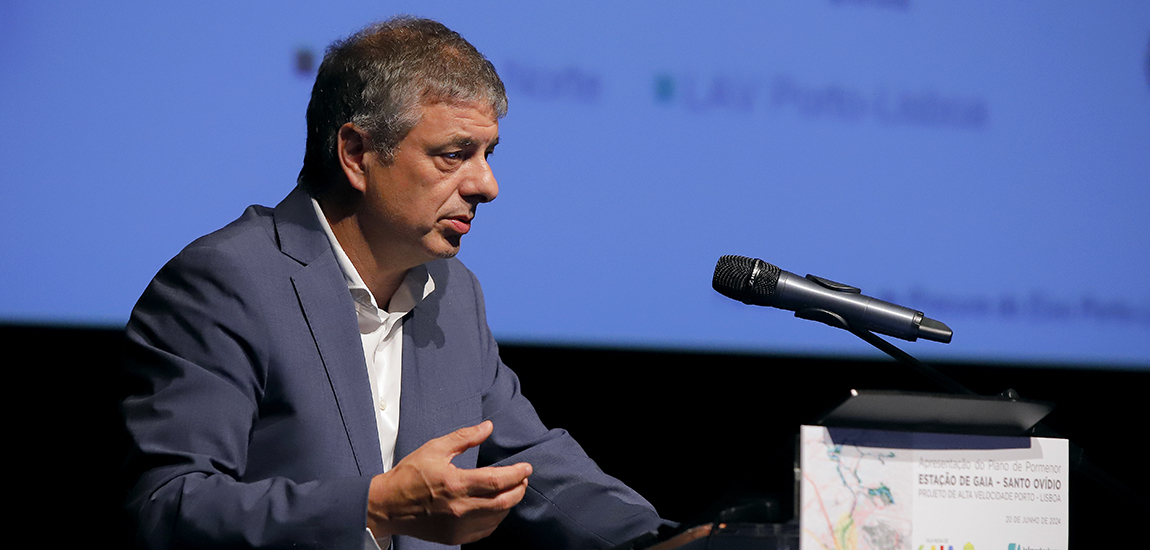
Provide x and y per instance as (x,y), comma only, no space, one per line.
(321,374)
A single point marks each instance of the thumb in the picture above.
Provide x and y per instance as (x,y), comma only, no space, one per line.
(465,438)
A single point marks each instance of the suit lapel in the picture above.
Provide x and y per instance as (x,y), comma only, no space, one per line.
(413,427)
(440,382)
(327,308)
(421,388)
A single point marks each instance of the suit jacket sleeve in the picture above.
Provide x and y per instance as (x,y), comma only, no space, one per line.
(570,502)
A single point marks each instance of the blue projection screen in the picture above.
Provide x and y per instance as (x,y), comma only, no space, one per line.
(986,162)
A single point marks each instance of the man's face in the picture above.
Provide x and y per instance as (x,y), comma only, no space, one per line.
(418,207)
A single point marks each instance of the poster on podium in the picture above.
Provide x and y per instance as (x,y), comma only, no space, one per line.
(873,489)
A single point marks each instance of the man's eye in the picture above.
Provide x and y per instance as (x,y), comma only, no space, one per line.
(453,155)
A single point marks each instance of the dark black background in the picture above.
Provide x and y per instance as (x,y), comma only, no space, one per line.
(687,430)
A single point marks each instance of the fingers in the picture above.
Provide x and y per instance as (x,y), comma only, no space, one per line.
(493,480)
(508,499)
(462,439)
(426,496)
(446,517)
(493,504)
(456,483)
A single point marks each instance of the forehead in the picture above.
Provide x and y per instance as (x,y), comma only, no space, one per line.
(444,120)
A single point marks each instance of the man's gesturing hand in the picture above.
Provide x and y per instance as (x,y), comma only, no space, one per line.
(427,497)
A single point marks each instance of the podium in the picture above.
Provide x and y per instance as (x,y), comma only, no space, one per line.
(872,477)
(894,470)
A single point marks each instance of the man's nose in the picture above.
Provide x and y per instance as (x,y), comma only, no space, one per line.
(480,185)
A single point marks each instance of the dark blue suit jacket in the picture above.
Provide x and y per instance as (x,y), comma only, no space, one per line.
(250,412)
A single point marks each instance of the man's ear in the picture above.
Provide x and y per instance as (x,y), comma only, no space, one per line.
(352,148)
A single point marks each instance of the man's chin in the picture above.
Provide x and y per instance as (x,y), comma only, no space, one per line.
(450,246)
(441,247)
(444,252)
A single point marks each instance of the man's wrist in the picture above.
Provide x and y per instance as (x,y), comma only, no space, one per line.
(377,516)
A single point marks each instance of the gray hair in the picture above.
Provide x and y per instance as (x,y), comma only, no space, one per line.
(379,78)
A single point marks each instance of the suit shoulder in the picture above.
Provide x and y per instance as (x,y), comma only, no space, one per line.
(239,258)
(252,231)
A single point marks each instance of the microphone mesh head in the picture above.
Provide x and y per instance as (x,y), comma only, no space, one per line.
(749,280)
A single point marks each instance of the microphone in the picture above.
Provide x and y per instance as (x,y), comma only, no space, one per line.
(753,281)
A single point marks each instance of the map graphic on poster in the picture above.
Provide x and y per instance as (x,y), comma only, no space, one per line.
(854,497)
(875,490)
